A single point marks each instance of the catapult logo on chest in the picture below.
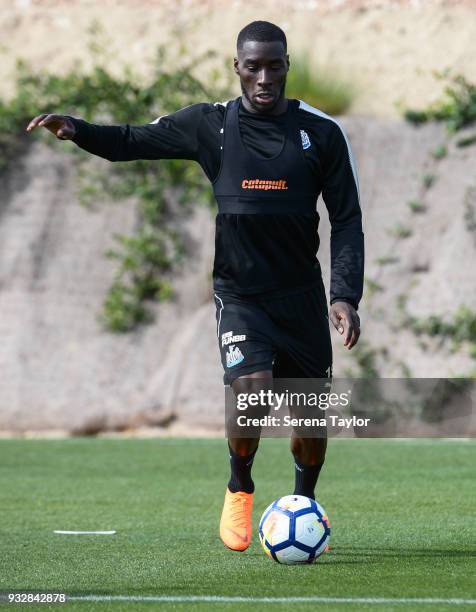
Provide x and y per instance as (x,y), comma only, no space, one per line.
(280,185)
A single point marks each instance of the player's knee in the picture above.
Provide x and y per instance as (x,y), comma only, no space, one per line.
(253,394)
(253,383)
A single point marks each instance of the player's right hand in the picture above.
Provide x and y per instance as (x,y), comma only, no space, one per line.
(59,125)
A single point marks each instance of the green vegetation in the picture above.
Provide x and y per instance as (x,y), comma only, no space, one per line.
(459,329)
(164,498)
(317,88)
(143,258)
(417,207)
(457,108)
(467,141)
(366,360)
(404,368)
(147,259)
(401,301)
(440,152)
(470,210)
(429,180)
(386,260)
(400,231)
(372,287)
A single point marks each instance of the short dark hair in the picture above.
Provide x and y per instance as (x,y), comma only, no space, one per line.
(261,31)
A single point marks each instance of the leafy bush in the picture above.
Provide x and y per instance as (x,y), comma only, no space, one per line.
(440,152)
(417,206)
(400,231)
(428,180)
(461,328)
(457,108)
(466,141)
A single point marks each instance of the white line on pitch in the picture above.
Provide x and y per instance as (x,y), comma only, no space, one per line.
(291,600)
(63,532)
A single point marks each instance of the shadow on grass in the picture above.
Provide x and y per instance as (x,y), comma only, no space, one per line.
(403,552)
(332,558)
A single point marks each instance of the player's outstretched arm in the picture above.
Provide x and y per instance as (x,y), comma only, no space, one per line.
(59,125)
(173,136)
(102,140)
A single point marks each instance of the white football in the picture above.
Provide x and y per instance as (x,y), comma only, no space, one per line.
(294,529)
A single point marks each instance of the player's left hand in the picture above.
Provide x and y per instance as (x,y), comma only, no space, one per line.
(347,322)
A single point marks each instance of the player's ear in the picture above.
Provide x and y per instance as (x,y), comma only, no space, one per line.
(235,65)
(287,61)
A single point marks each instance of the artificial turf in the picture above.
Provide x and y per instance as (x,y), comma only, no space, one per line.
(402,517)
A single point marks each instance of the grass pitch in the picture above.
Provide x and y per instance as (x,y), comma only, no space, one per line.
(401,512)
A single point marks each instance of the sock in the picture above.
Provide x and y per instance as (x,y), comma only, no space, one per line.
(240,479)
(305,478)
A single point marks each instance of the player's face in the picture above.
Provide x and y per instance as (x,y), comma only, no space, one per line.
(262,68)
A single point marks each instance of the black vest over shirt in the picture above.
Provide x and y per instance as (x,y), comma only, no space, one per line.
(266,227)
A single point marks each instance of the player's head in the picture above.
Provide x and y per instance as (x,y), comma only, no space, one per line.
(262,64)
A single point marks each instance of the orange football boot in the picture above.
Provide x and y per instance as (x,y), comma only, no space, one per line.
(235,523)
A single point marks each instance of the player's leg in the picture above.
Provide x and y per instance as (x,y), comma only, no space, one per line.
(309,456)
(235,523)
(247,358)
(242,450)
(309,453)
(305,352)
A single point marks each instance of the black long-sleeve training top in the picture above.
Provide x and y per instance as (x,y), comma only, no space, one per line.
(277,249)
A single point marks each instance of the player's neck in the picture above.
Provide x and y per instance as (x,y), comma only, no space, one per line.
(280,108)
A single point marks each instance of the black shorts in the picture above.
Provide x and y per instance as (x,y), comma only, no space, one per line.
(288,335)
